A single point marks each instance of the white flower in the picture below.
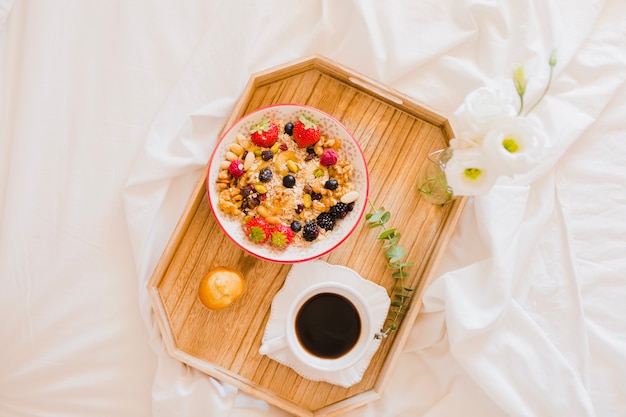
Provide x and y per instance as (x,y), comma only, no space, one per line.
(481,109)
(468,173)
(513,146)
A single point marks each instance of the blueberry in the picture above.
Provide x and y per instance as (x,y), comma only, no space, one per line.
(289,129)
(289,181)
(266,155)
(265,175)
(296,226)
(331,185)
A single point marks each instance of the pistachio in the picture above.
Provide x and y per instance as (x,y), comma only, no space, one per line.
(292,166)
(260,188)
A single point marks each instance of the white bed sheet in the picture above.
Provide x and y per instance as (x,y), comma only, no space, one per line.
(109,112)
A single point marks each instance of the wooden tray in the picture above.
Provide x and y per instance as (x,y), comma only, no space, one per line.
(396,135)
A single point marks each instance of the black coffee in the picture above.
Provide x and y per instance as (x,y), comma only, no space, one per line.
(328,325)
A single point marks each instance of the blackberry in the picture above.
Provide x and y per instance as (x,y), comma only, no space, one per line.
(265,175)
(296,226)
(326,221)
(350,206)
(310,232)
(339,210)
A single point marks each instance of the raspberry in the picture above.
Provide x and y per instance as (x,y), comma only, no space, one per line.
(310,231)
(326,221)
(236,168)
(328,158)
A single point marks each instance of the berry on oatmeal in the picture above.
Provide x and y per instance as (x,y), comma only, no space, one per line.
(265,175)
(326,221)
(264,134)
(289,181)
(236,168)
(310,232)
(296,226)
(289,128)
(329,157)
(258,230)
(339,210)
(281,235)
(331,184)
(305,132)
(266,155)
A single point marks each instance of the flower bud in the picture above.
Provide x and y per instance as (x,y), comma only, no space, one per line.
(519,79)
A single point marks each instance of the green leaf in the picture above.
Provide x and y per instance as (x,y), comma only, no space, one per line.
(400,275)
(376,216)
(387,234)
(396,304)
(402,296)
(385,218)
(395,253)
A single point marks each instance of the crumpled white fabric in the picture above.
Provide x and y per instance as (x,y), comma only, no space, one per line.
(504,328)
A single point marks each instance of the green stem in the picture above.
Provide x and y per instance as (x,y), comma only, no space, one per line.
(545,91)
(521,104)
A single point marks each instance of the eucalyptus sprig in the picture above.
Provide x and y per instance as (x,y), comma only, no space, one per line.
(395,254)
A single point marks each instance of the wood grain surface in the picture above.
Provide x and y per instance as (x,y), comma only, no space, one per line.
(396,135)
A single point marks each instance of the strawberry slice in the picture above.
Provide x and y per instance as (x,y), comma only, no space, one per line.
(305,132)
(281,235)
(264,134)
(258,230)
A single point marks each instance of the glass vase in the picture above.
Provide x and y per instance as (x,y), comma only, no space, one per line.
(432,180)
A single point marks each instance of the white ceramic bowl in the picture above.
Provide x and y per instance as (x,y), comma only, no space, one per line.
(330,127)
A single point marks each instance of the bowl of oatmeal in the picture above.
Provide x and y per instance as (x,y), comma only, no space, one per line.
(287,183)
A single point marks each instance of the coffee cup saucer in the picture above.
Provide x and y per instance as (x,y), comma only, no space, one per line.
(313,276)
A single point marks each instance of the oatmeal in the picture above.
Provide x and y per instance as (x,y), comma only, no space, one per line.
(287,182)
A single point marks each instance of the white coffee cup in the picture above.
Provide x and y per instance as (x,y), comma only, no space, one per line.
(291,341)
